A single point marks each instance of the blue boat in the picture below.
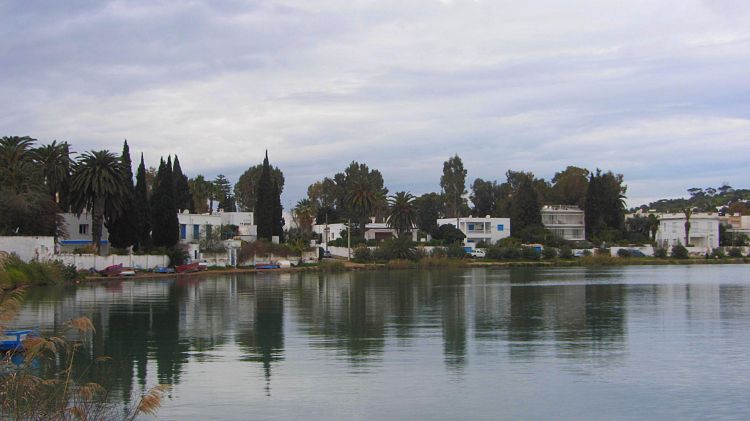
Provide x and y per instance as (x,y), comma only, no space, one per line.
(12,340)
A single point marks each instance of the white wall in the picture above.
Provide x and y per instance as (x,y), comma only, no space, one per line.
(87,261)
(29,248)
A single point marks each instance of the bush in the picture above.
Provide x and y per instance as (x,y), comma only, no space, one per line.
(660,252)
(397,248)
(531,253)
(735,252)
(362,254)
(332,266)
(549,252)
(717,253)
(456,250)
(680,252)
(566,252)
(448,233)
(623,253)
(439,252)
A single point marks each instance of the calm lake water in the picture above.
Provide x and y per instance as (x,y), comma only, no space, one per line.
(661,342)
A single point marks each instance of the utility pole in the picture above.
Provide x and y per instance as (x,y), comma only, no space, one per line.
(349,238)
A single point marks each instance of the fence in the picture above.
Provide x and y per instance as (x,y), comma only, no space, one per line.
(87,261)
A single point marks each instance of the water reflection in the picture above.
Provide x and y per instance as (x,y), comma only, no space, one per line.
(519,314)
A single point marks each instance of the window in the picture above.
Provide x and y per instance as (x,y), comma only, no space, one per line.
(83,228)
(470,240)
(196,231)
(183,231)
(471,227)
(500,227)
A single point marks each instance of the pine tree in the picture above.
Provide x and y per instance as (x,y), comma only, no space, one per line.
(143,209)
(163,209)
(183,197)
(278,218)
(123,226)
(264,205)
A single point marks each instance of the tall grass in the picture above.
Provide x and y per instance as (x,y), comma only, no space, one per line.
(44,386)
(331,266)
(16,273)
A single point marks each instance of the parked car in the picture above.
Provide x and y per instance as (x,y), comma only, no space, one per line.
(478,253)
(327,254)
(636,253)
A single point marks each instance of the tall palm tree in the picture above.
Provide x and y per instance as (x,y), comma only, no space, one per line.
(304,212)
(56,165)
(362,199)
(688,213)
(653,225)
(17,169)
(97,186)
(401,212)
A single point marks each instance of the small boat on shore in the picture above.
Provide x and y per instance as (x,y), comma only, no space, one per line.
(114,270)
(12,340)
(187,268)
(267,266)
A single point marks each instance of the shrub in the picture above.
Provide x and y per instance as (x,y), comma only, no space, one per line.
(397,248)
(456,250)
(717,253)
(680,252)
(332,266)
(362,254)
(382,254)
(623,253)
(586,252)
(735,252)
(660,252)
(531,253)
(509,242)
(566,252)
(439,252)
(549,252)
(177,255)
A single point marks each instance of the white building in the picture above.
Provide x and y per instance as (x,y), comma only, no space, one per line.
(704,230)
(565,221)
(193,227)
(477,229)
(334,231)
(78,233)
(381,231)
(246,228)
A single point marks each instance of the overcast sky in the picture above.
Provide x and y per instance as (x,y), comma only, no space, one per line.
(656,90)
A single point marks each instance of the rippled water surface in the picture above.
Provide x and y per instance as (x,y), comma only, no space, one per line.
(663,342)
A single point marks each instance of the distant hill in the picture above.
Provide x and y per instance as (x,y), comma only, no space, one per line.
(723,199)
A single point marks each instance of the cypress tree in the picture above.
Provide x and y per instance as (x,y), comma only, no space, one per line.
(163,209)
(278,219)
(183,197)
(143,209)
(593,207)
(264,205)
(123,226)
(525,210)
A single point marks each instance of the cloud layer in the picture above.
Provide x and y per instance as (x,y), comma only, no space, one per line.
(656,90)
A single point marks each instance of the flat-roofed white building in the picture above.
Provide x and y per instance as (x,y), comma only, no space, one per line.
(78,233)
(333,230)
(704,230)
(565,221)
(193,225)
(478,229)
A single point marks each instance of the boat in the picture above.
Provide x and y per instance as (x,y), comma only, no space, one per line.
(162,269)
(12,340)
(189,267)
(267,266)
(114,270)
(128,272)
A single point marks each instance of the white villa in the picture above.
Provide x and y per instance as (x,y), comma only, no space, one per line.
(704,230)
(78,233)
(477,229)
(193,226)
(565,221)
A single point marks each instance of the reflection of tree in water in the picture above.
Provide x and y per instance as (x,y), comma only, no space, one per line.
(263,340)
(452,297)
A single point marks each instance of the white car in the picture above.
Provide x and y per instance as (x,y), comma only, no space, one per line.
(478,253)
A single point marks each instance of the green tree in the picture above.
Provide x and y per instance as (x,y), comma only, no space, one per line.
(604,205)
(223,192)
(201,190)
(123,225)
(143,208)
(97,186)
(247,185)
(183,197)
(304,213)
(56,166)
(453,184)
(688,213)
(429,208)
(484,197)
(323,194)
(569,187)
(264,202)
(401,212)
(164,224)
(525,209)
(362,193)
(278,217)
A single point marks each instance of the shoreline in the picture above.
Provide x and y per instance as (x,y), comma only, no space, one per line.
(348,266)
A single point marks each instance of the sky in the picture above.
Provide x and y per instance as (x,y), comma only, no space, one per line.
(657,90)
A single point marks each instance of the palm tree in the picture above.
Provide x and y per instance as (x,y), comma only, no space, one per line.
(653,225)
(97,186)
(401,212)
(17,169)
(362,199)
(55,163)
(688,213)
(304,212)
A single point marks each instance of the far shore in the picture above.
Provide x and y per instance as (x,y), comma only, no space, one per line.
(348,266)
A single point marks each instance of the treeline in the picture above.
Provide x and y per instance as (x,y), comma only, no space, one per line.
(38,183)
(358,193)
(723,199)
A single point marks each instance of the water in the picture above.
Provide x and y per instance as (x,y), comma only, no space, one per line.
(662,342)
